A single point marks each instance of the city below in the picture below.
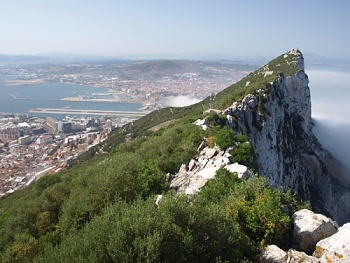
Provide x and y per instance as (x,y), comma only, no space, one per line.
(32,146)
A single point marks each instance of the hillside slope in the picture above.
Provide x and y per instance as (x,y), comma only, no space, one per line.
(102,208)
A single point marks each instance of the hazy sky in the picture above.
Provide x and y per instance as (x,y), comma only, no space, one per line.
(181,27)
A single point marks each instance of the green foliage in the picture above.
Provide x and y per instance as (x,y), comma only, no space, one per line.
(243,153)
(24,249)
(241,138)
(213,190)
(175,231)
(257,209)
(224,138)
(102,208)
(215,119)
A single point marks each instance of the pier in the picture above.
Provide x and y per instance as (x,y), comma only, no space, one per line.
(88,112)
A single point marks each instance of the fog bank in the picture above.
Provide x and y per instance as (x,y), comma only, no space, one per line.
(330,98)
(180,101)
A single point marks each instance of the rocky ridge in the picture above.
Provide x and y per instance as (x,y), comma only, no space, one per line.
(277,120)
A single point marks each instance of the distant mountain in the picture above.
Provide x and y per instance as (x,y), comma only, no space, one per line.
(51,58)
(10,59)
(315,61)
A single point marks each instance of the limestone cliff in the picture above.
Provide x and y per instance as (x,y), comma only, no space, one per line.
(277,119)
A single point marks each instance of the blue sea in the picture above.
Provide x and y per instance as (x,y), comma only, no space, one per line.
(49,95)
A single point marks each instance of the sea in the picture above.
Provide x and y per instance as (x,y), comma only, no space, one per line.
(50,95)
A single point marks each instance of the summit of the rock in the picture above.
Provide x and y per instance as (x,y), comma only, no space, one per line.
(275,112)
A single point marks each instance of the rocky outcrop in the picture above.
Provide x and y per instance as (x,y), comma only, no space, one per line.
(335,248)
(309,228)
(191,179)
(272,254)
(278,122)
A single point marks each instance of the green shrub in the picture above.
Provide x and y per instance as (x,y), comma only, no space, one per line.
(224,138)
(257,209)
(243,153)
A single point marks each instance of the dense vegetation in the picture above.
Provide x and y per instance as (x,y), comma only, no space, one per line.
(102,209)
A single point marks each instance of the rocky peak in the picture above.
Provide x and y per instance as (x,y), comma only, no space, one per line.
(276,116)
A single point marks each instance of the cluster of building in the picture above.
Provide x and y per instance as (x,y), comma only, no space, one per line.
(14,126)
(134,82)
(31,146)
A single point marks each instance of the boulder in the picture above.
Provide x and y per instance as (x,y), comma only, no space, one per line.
(199,179)
(201,146)
(158,199)
(309,228)
(192,165)
(335,248)
(203,123)
(209,152)
(272,254)
(241,170)
(294,256)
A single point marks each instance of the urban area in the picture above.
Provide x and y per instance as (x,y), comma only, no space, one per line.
(31,146)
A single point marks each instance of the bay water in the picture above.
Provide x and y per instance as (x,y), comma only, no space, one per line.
(50,95)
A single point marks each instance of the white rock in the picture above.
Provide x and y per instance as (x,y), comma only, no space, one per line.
(182,170)
(201,146)
(241,170)
(158,199)
(294,256)
(198,180)
(335,248)
(272,254)
(309,228)
(203,123)
(209,152)
(192,165)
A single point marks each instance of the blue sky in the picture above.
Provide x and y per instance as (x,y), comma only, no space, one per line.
(119,28)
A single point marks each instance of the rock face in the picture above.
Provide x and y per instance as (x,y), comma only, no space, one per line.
(278,122)
(309,228)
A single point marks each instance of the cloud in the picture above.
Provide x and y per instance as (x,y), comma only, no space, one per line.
(330,96)
(334,136)
(180,101)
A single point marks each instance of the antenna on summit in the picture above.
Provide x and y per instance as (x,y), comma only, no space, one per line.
(212,100)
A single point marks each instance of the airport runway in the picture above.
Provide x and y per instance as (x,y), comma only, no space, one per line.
(88,112)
